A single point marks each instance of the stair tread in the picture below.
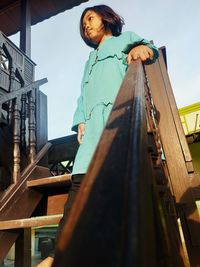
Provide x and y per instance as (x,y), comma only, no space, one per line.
(30,222)
(58,180)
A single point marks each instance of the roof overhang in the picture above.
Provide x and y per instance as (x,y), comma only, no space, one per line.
(40,10)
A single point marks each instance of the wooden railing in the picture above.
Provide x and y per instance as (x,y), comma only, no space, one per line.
(19,110)
(125,214)
(23,102)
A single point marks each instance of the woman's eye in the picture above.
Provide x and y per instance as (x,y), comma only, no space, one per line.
(90,18)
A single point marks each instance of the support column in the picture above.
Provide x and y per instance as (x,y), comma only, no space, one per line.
(25,31)
(23,249)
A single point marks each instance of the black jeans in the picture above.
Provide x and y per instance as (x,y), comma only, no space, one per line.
(76,183)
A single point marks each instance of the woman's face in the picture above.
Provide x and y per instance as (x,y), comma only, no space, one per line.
(93,27)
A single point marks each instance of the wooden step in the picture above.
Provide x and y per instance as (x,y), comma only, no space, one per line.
(30,222)
(53,181)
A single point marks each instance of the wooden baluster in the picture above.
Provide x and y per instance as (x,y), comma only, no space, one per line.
(16,141)
(23,121)
(11,88)
(32,127)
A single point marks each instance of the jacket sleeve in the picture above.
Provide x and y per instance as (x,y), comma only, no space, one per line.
(79,115)
(133,40)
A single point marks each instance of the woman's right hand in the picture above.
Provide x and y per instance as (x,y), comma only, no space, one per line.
(81,132)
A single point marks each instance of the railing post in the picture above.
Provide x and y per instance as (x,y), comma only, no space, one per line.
(32,127)
(11,88)
(16,142)
(23,249)
(23,121)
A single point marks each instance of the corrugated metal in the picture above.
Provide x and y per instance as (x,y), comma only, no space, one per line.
(40,10)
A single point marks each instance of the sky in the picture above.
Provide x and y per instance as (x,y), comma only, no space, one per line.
(60,53)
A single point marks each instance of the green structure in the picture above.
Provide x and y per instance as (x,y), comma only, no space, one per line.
(190,118)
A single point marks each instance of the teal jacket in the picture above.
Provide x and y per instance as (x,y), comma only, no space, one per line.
(104,72)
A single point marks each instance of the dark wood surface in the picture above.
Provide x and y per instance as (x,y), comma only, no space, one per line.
(23,248)
(30,222)
(176,151)
(19,202)
(40,10)
(177,154)
(112,221)
(53,181)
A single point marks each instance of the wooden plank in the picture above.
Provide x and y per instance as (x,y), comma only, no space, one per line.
(29,169)
(30,222)
(55,204)
(22,90)
(41,120)
(19,203)
(189,166)
(115,199)
(195,185)
(173,149)
(60,180)
(7,239)
(25,29)
(174,111)
(168,131)
(23,249)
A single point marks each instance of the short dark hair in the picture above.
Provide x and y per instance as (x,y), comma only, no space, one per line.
(111,20)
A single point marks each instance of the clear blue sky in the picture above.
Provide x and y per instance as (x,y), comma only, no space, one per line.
(60,53)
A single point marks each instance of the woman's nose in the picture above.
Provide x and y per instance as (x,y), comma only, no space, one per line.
(86,26)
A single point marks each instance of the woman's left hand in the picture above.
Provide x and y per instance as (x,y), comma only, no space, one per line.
(142,52)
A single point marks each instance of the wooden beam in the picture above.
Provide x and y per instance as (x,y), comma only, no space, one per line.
(22,90)
(30,222)
(108,225)
(60,180)
(23,249)
(175,147)
(25,31)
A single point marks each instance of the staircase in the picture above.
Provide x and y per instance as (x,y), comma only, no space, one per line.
(136,206)
(37,199)
(137,203)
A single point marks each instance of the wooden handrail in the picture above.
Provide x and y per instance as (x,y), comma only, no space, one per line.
(21,91)
(112,220)
(30,222)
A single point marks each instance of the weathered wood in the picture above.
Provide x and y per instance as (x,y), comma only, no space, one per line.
(22,90)
(174,110)
(39,172)
(61,180)
(25,202)
(38,157)
(174,144)
(195,185)
(108,225)
(23,122)
(23,249)
(7,239)
(55,203)
(25,27)
(16,143)
(41,120)
(32,128)
(30,222)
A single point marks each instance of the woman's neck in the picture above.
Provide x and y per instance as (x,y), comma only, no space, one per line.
(105,36)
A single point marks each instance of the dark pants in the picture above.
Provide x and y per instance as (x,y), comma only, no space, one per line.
(76,183)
